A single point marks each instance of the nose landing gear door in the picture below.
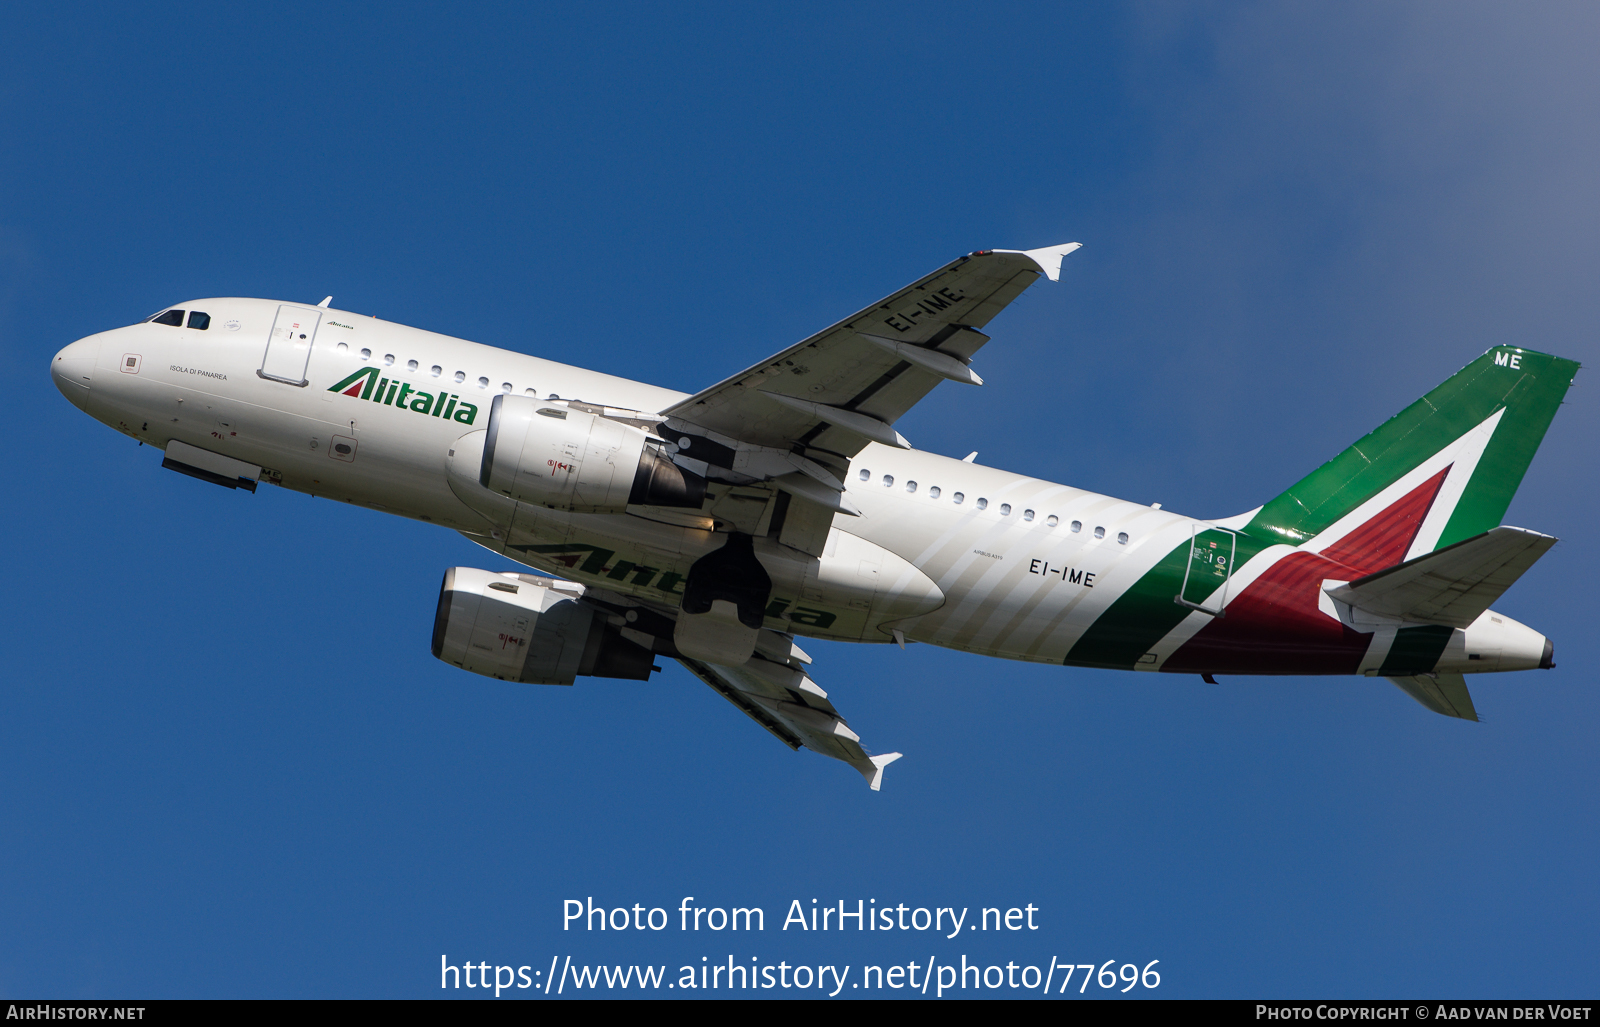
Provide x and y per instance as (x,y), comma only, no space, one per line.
(1206,573)
(289,347)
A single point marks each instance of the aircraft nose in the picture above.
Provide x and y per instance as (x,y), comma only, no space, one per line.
(73,368)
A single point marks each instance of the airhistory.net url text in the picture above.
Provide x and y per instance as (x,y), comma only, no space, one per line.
(1053,978)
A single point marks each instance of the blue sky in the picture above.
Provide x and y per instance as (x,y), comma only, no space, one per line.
(232,767)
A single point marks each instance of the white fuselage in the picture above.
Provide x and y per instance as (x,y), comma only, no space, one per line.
(945,552)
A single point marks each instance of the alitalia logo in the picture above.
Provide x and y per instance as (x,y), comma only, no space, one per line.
(365,384)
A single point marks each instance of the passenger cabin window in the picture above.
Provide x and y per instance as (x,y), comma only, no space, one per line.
(866,475)
(933,492)
(983,504)
(1122,538)
(411,365)
(505,386)
(1099,532)
(529,392)
(199,319)
(172,318)
(911,486)
(1052,520)
(1027,515)
(959,498)
(483,383)
(342,347)
(436,370)
(388,360)
(888,479)
(1077,525)
(366,354)
(1005,509)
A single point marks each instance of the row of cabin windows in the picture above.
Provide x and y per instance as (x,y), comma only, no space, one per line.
(460,376)
(1005,508)
(174,318)
(202,321)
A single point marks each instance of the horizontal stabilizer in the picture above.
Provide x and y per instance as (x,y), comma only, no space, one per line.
(1441,693)
(1450,586)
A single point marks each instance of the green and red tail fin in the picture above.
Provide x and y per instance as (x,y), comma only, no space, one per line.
(1456,455)
(1442,470)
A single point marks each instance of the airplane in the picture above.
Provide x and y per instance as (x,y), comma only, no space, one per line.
(717,528)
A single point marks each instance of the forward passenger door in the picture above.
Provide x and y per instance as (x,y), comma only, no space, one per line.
(294,332)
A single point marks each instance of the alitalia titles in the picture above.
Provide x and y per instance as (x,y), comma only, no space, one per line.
(365,384)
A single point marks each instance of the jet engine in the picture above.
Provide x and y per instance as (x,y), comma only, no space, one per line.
(551,455)
(523,628)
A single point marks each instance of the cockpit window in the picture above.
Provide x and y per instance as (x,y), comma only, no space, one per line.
(199,320)
(171,317)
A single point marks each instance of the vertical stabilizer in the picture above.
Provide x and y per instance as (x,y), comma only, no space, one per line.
(1441,471)
(1477,433)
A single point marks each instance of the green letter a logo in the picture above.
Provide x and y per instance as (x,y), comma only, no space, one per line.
(351,386)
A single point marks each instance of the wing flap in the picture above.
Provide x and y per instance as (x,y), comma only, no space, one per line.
(1453,585)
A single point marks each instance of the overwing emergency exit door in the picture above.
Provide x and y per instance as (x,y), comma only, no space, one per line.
(1206,573)
(289,346)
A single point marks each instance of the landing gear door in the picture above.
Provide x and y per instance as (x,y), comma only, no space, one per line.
(1210,565)
(289,347)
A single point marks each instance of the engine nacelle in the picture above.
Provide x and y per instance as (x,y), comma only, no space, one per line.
(550,455)
(523,628)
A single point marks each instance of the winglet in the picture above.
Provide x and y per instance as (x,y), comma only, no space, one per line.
(325,301)
(874,776)
(1049,258)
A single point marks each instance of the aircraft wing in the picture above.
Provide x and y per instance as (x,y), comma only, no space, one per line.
(780,696)
(846,385)
(772,688)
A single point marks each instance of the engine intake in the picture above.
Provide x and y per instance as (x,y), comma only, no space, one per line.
(540,452)
(523,629)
